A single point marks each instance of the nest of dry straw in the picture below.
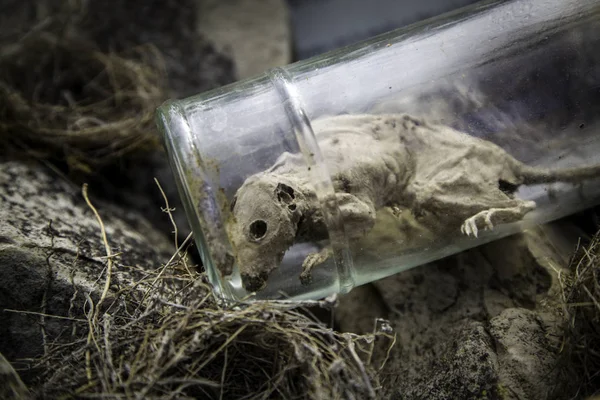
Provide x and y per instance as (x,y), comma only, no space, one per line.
(62,98)
(164,336)
(580,358)
(173,341)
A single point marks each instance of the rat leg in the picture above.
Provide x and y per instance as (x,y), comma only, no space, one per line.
(469,202)
(486,219)
(358,218)
(311,261)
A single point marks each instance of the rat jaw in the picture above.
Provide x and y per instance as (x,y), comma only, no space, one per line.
(255,275)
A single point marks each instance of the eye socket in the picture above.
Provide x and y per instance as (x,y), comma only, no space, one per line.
(284,193)
(258,229)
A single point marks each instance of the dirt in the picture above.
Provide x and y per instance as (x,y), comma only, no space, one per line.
(480,324)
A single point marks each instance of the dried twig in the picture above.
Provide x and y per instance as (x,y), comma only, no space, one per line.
(109,260)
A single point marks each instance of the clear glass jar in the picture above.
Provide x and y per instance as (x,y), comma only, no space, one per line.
(366,161)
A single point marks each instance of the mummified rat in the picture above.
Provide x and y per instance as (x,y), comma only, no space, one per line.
(375,161)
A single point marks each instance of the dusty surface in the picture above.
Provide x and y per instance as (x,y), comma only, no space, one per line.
(51,246)
(476,325)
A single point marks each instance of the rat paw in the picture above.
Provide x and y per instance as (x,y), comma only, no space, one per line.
(481,220)
(494,216)
(311,261)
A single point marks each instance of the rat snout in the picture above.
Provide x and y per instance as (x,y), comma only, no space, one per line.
(254,269)
(254,283)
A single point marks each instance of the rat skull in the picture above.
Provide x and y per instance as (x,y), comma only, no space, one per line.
(266,214)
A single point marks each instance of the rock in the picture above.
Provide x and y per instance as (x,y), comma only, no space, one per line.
(464,366)
(526,356)
(254,33)
(471,326)
(52,253)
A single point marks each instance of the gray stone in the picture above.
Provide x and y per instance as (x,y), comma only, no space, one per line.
(477,325)
(51,247)
(353,316)
(464,366)
(526,355)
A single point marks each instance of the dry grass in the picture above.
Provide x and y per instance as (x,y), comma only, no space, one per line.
(63,99)
(165,337)
(580,353)
(160,343)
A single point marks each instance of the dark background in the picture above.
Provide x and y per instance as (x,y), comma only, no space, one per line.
(322,25)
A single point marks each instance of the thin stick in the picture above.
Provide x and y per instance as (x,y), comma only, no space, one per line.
(168,210)
(387,355)
(372,345)
(223,375)
(88,355)
(361,367)
(45,315)
(160,273)
(591,296)
(109,262)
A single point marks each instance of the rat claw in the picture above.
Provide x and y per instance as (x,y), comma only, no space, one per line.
(469,227)
(488,221)
(474,227)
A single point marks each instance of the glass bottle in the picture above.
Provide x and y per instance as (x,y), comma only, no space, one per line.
(363,162)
